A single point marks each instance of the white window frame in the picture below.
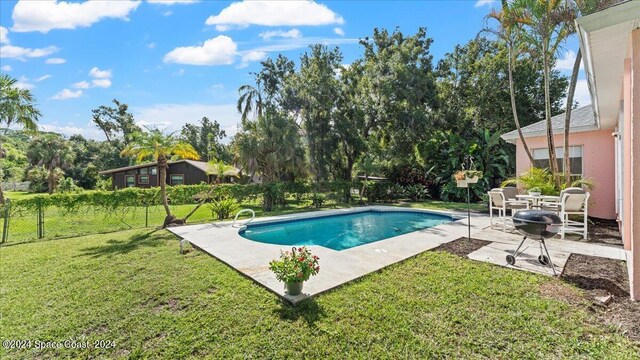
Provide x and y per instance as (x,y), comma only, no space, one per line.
(560,155)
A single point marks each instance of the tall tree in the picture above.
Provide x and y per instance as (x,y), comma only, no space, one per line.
(272,146)
(317,89)
(205,138)
(545,29)
(53,152)
(117,123)
(159,147)
(507,32)
(400,83)
(17,106)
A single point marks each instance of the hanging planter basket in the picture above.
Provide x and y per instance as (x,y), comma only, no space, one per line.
(472,176)
(462,183)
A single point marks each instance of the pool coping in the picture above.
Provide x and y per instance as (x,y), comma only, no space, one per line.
(251,258)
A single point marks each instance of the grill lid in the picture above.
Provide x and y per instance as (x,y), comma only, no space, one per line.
(537,217)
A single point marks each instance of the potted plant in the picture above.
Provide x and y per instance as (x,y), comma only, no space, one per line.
(294,268)
(535,191)
(461,178)
(472,176)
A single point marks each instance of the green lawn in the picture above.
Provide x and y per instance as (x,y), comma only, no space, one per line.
(59,223)
(134,288)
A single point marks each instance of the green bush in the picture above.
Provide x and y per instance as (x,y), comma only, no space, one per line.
(223,208)
(417,192)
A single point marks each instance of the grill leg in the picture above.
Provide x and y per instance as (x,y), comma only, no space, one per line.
(549,256)
(515,253)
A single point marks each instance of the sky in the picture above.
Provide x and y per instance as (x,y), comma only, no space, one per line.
(175,61)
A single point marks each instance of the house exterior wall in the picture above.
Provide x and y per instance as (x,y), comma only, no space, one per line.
(598,155)
(633,78)
(192,176)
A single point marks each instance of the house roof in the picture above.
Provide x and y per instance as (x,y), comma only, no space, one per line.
(604,42)
(200,165)
(582,119)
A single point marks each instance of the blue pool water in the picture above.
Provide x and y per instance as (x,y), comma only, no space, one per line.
(339,232)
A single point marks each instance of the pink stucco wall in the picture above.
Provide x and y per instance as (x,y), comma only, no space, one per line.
(633,78)
(598,163)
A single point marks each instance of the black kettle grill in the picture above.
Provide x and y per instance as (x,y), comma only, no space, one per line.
(538,225)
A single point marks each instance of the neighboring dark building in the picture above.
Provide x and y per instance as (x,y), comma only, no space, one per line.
(181,172)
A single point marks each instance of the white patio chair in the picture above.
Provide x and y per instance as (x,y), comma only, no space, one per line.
(498,201)
(573,202)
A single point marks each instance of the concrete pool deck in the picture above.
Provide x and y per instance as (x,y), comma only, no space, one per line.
(251,258)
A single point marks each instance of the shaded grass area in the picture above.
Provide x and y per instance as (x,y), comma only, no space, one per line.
(59,223)
(134,288)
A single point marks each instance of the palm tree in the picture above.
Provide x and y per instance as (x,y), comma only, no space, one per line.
(53,152)
(508,32)
(161,148)
(545,29)
(221,169)
(581,8)
(17,106)
(250,100)
(272,146)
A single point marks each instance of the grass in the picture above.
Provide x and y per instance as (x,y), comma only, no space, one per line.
(60,223)
(134,288)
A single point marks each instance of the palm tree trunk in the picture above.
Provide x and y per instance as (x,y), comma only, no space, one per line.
(162,167)
(50,184)
(513,105)
(567,117)
(553,163)
(1,194)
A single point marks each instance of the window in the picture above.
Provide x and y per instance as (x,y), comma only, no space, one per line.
(541,159)
(177,179)
(154,171)
(144,171)
(129,181)
(143,179)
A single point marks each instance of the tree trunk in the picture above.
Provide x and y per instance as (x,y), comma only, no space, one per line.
(50,183)
(1,194)
(553,163)
(513,105)
(567,117)
(162,168)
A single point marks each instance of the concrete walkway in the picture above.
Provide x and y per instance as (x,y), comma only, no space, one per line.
(504,243)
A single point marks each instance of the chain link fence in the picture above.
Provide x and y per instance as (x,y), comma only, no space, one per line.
(50,222)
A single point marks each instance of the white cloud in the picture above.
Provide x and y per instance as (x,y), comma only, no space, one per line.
(566,62)
(480,3)
(17,52)
(293,33)
(81,85)
(66,94)
(6,68)
(171,117)
(42,78)
(251,56)
(100,74)
(171,2)
(582,95)
(23,83)
(167,13)
(292,44)
(151,45)
(178,73)
(47,15)
(4,35)
(55,61)
(220,50)
(90,131)
(103,83)
(338,31)
(273,13)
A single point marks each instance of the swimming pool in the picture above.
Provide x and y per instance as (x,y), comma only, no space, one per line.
(344,231)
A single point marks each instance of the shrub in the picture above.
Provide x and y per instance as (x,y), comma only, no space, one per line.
(221,209)
(297,265)
(67,185)
(317,200)
(417,192)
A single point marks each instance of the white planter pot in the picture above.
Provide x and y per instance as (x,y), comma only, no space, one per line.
(534,193)
(462,183)
(472,180)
